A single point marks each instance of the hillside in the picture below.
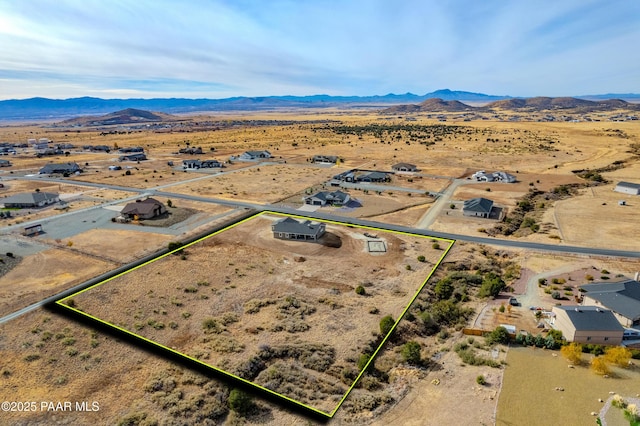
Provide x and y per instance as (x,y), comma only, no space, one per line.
(535,104)
(125,116)
(430,105)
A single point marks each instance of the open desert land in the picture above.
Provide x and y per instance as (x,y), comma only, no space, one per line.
(264,309)
(45,274)
(249,295)
(260,183)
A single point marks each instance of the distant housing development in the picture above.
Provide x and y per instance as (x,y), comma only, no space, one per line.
(290,229)
(477,207)
(65,168)
(336,198)
(482,176)
(628,188)
(32,200)
(587,324)
(622,298)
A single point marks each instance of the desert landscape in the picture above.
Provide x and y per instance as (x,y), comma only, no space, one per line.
(261,308)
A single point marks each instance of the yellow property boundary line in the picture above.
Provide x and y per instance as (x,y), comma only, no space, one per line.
(60,303)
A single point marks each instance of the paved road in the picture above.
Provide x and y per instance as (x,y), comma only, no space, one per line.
(444,199)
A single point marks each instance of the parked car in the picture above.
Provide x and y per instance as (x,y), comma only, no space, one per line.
(513,301)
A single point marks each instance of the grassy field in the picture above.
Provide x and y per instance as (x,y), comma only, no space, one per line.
(528,395)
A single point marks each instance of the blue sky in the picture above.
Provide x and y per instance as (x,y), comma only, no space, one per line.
(217,48)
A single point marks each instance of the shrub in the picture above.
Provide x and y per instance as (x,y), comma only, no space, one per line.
(386,324)
(175,245)
(572,352)
(363,360)
(421,258)
(542,281)
(407,267)
(498,335)
(435,246)
(599,366)
(555,294)
(618,355)
(501,309)
(9,254)
(411,352)
(444,289)
(240,402)
(360,290)
(491,286)
(481,380)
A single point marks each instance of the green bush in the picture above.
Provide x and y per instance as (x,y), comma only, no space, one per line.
(481,380)
(498,335)
(360,290)
(386,324)
(240,402)
(363,360)
(411,353)
(421,258)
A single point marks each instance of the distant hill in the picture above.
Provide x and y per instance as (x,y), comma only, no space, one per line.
(125,116)
(539,103)
(430,105)
(561,103)
(43,108)
(58,109)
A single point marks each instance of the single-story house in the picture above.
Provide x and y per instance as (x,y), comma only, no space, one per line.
(143,209)
(5,163)
(30,200)
(477,207)
(101,148)
(201,164)
(504,177)
(254,155)
(374,177)
(622,298)
(210,164)
(136,156)
(191,150)
(324,159)
(404,167)
(587,324)
(131,149)
(483,176)
(65,168)
(191,164)
(336,198)
(628,188)
(290,229)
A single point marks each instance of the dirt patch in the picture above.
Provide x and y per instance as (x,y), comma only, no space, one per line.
(45,274)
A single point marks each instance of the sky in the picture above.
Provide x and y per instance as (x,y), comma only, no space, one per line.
(217,49)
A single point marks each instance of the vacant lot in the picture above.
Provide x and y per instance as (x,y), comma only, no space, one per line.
(530,381)
(283,314)
(45,274)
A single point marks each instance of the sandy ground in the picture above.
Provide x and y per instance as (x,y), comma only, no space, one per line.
(44,274)
(246,265)
(595,219)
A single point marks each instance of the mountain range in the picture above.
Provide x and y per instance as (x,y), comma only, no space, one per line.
(56,109)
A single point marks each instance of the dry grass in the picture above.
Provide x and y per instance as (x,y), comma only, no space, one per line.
(247,288)
(536,372)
